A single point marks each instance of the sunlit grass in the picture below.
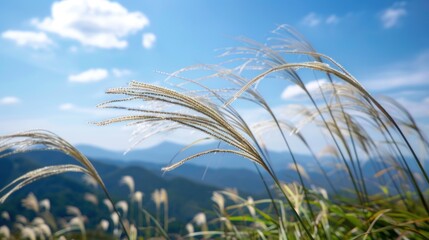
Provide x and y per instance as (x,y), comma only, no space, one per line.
(359,129)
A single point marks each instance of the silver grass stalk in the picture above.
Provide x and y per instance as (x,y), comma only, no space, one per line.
(31,202)
(129,182)
(4,232)
(5,215)
(27,141)
(341,108)
(92,198)
(45,204)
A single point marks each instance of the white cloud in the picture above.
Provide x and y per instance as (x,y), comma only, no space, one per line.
(148,40)
(97,23)
(120,72)
(398,78)
(72,108)
(91,75)
(406,74)
(391,16)
(418,109)
(332,19)
(36,40)
(311,20)
(9,100)
(295,91)
(66,107)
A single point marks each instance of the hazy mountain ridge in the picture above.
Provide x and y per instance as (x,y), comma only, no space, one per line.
(230,171)
(164,153)
(189,187)
(69,189)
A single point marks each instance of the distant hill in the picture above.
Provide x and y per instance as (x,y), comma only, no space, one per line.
(224,170)
(189,187)
(186,197)
(164,153)
(217,170)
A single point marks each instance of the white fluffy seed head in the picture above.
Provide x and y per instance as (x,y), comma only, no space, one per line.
(38,232)
(5,215)
(72,210)
(219,200)
(163,195)
(77,221)
(200,219)
(251,206)
(30,202)
(129,182)
(38,221)
(45,204)
(4,232)
(323,192)
(133,232)
(21,219)
(156,198)
(28,233)
(190,228)
(90,181)
(45,230)
(108,204)
(104,224)
(18,226)
(123,206)
(138,197)
(115,218)
(92,198)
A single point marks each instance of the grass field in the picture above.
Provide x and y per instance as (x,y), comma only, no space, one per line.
(356,128)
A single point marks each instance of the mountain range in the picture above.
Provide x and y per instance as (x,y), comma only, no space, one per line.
(219,170)
(167,151)
(186,197)
(189,187)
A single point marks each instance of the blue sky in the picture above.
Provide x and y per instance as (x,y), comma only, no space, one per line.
(58,57)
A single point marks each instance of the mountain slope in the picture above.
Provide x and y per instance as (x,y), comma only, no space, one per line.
(186,197)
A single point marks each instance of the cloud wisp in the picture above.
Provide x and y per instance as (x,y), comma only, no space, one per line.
(117,72)
(402,75)
(75,109)
(35,40)
(332,19)
(391,16)
(90,75)
(148,40)
(313,20)
(417,108)
(96,23)
(9,100)
(295,91)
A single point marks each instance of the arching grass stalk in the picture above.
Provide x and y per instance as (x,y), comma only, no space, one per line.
(205,109)
(196,113)
(306,49)
(255,98)
(44,140)
(348,79)
(252,96)
(269,58)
